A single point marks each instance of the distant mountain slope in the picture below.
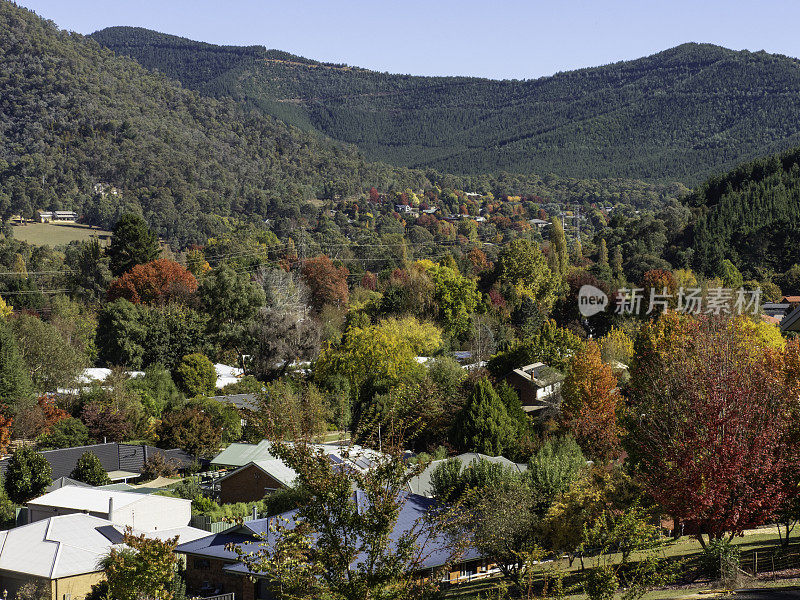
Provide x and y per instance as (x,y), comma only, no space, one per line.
(750,216)
(73,114)
(683,114)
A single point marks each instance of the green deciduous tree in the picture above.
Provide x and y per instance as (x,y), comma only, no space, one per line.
(524,268)
(65,434)
(142,568)
(196,375)
(51,361)
(189,429)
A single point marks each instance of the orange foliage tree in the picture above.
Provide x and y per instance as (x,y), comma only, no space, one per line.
(51,413)
(5,430)
(159,281)
(590,398)
(327,282)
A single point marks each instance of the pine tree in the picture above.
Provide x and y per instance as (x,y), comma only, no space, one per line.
(616,264)
(602,257)
(15,382)
(132,244)
(558,245)
(484,424)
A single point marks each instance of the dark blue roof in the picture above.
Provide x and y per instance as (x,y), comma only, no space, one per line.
(414,508)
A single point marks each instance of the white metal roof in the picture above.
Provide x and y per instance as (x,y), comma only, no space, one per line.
(69,545)
(90,499)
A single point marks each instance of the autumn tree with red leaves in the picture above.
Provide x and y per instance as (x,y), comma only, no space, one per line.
(327,282)
(157,282)
(589,408)
(709,427)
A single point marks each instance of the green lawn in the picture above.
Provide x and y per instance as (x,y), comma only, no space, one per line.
(51,234)
(684,549)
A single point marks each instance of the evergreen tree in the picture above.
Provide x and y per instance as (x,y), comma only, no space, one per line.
(15,382)
(484,425)
(602,256)
(132,244)
(558,246)
(89,470)
(28,475)
(616,264)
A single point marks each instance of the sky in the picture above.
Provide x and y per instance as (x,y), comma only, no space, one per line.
(513,39)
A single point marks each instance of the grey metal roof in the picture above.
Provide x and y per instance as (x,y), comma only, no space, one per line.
(411,515)
(240,401)
(113,457)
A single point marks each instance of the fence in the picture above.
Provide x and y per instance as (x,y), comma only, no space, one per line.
(771,562)
(219,597)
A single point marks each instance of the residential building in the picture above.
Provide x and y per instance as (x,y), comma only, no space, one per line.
(213,568)
(122,462)
(144,512)
(539,387)
(258,472)
(63,553)
(254,480)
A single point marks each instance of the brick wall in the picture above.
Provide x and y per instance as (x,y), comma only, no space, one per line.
(247,485)
(206,575)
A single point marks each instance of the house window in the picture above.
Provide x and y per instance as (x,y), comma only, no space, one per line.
(202,564)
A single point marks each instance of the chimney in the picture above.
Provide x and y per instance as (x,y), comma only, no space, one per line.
(144,452)
(255,512)
(110,508)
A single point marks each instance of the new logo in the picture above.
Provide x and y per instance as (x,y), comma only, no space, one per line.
(591,300)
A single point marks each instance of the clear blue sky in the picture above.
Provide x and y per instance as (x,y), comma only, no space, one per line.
(499,39)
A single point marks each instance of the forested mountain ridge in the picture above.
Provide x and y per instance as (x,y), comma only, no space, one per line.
(73,114)
(749,216)
(682,114)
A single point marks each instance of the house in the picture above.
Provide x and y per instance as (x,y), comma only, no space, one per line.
(140,511)
(239,454)
(254,480)
(538,385)
(776,310)
(120,461)
(538,222)
(258,473)
(402,208)
(791,322)
(240,401)
(421,483)
(212,567)
(62,216)
(227,374)
(63,553)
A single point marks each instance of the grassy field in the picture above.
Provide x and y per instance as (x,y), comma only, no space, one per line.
(763,541)
(51,234)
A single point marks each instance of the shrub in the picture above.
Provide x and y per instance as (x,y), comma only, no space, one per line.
(720,560)
(601,583)
(159,465)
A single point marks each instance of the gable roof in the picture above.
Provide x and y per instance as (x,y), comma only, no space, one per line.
(67,545)
(274,467)
(240,401)
(64,481)
(412,513)
(238,454)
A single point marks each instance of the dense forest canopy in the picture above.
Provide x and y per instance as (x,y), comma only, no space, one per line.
(682,114)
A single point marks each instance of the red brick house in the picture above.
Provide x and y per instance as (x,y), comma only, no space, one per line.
(254,480)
